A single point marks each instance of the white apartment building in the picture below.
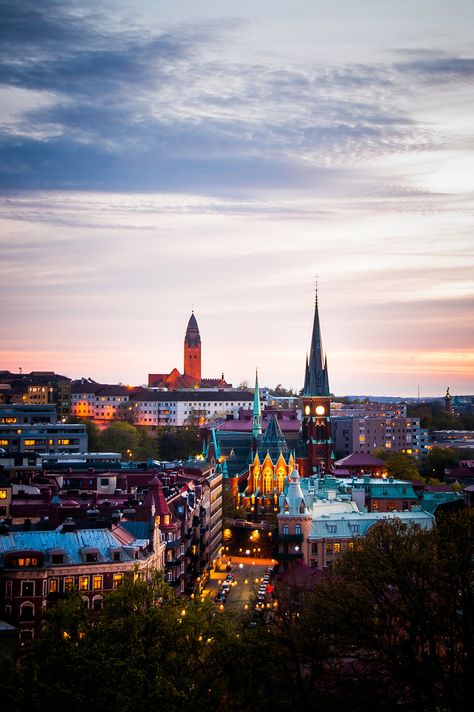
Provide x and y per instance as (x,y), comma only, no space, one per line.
(103,403)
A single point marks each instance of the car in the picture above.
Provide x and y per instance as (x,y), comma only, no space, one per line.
(220,598)
(225,586)
(230,578)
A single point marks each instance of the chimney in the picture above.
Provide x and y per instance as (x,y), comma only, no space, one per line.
(69,525)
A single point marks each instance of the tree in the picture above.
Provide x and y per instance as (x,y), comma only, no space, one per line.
(127,412)
(120,437)
(438,459)
(93,432)
(196,417)
(178,443)
(399,465)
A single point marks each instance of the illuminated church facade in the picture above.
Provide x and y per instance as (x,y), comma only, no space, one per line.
(273,454)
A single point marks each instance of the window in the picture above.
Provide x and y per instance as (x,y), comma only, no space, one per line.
(8,588)
(297,528)
(57,558)
(27,588)
(97,583)
(97,603)
(91,557)
(104,481)
(285,529)
(68,583)
(350,546)
(328,548)
(27,612)
(118,580)
(3,494)
(53,585)
(375,505)
(83,583)
(116,555)
(337,547)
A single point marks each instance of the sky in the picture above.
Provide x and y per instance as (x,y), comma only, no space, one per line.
(159,157)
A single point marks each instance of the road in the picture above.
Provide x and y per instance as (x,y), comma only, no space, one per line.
(248,574)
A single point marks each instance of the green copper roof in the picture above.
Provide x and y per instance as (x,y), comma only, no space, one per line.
(273,441)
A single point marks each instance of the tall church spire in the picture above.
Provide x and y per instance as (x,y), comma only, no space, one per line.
(316,381)
(257,410)
(192,351)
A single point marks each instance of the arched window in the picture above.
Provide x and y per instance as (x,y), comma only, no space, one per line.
(97,603)
(27,612)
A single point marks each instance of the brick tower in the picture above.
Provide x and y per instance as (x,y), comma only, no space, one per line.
(192,351)
(316,426)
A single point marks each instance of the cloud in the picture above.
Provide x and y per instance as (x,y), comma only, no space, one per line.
(149,109)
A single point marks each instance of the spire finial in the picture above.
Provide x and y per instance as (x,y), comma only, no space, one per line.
(316,290)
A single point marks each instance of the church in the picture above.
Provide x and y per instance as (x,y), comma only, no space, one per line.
(256,461)
(191,376)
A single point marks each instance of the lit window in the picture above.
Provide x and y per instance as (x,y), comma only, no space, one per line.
(29,442)
(97,583)
(83,583)
(118,580)
(3,494)
(53,585)
(337,548)
(68,583)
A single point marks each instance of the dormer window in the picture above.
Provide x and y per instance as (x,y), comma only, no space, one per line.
(90,555)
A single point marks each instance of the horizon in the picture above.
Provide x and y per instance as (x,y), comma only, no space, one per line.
(162,159)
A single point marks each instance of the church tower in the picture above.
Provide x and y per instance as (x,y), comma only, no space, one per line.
(316,426)
(192,351)
(257,411)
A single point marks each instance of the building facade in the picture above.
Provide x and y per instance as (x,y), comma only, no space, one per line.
(39,567)
(44,438)
(368,433)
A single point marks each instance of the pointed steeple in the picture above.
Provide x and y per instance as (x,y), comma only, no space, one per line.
(257,410)
(273,441)
(316,378)
(192,336)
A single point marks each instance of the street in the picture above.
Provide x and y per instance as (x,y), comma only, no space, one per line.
(248,574)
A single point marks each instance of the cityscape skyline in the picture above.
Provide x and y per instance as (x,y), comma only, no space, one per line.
(162,159)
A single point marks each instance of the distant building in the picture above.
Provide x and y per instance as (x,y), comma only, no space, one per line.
(457,439)
(360,410)
(37,388)
(23,414)
(317,523)
(47,438)
(105,403)
(191,376)
(368,433)
(38,567)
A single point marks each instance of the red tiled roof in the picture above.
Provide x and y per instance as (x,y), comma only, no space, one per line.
(155,496)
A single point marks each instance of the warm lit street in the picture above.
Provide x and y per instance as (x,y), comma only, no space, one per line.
(248,574)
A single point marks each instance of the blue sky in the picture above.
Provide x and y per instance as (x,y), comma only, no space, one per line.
(160,156)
